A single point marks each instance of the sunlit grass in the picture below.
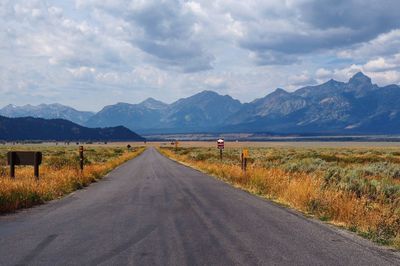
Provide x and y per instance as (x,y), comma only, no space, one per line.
(59,174)
(355,188)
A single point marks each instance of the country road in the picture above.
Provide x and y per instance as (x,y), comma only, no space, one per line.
(153,211)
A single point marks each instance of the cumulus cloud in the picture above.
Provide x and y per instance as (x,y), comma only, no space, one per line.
(323,74)
(383,45)
(312,26)
(380,64)
(132,49)
(167,31)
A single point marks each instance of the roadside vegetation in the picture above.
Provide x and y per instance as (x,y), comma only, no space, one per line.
(59,173)
(357,188)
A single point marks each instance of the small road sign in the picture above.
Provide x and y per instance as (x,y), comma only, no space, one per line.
(245,153)
(244,156)
(221,144)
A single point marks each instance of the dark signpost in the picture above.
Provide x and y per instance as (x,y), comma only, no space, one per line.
(220,146)
(176,143)
(24,158)
(81,158)
(244,156)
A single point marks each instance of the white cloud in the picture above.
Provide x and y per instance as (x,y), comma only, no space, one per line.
(379,64)
(323,73)
(56,50)
(383,45)
(83,73)
(386,77)
(301,79)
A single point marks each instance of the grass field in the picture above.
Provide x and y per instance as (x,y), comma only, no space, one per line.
(59,172)
(353,185)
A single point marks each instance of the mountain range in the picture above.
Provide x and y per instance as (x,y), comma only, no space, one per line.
(200,112)
(29,128)
(354,107)
(47,111)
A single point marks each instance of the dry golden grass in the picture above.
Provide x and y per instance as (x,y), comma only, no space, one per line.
(375,218)
(58,176)
(278,144)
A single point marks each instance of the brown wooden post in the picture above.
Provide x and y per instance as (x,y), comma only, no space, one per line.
(244,155)
(241,160)
(12,165)
(36,165)
(81,157)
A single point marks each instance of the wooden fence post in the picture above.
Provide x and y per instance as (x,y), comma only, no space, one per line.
(36,165)
(244,155)
(12,165)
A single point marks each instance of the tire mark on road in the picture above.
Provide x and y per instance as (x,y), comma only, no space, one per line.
(142,234)
(36,251)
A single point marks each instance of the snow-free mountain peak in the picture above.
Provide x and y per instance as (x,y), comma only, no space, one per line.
(153,103)
(360,79)
(279,91)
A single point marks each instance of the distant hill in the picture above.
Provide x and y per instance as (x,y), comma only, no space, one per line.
(29,128)
(146,114)
(47,111)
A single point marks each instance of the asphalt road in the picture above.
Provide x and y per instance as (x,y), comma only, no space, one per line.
(153,211)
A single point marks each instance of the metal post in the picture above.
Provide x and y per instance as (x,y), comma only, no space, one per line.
(81,157)
(36,165)
(12,165)
(220,154)
(176,146)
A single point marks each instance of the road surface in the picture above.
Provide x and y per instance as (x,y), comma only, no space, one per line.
(153,211)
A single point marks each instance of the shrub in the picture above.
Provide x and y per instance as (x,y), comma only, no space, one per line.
(60,162)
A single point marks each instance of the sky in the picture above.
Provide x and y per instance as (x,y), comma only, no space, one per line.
(88,53)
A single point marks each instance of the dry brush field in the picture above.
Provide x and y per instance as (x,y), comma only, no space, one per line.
(59,172)
(357,188)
